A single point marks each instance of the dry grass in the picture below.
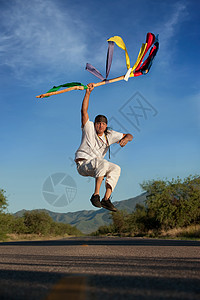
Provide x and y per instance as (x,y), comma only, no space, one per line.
(192,232)
(33,237)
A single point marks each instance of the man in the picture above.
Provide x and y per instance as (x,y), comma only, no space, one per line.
(96,139)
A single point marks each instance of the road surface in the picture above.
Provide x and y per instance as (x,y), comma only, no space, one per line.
(100,269)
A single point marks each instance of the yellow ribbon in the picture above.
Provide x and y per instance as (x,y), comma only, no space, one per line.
(120,43)
(140,55)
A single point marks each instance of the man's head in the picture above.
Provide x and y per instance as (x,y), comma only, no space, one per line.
(100,124)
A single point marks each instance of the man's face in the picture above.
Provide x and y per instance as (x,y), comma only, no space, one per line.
(100,127)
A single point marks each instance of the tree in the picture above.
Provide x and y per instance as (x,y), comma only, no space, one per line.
(3,201)
(37,222)
(174,203)
(18,226)
(3,217)
(119,219)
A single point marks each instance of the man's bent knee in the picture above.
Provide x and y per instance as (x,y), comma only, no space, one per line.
(118,169)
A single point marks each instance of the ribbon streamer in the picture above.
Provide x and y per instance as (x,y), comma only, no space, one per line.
(120,43)
(139,68)
(94,71)
(71,84)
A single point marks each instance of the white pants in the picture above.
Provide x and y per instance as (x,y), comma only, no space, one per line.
(98,167)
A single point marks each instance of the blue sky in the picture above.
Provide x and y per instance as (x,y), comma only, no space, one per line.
(46,43)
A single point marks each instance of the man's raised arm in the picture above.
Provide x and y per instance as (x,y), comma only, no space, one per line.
(85,103)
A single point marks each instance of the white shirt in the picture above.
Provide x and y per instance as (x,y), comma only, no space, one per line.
(92,145)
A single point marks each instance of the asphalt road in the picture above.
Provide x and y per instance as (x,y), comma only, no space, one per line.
(100,268)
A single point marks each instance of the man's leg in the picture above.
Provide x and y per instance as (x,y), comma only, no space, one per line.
(99,168)
(112,176)
(95,199)
(87,168)
(108,192)
(105,202)
(98,182)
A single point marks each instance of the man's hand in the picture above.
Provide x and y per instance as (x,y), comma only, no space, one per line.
(123,142)
(127,138)
(90,87)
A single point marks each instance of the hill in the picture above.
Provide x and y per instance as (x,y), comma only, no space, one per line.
(88,221)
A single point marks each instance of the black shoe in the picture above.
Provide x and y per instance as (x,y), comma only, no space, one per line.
(108,205)
(95,200)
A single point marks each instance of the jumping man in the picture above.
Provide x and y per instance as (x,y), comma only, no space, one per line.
(96,139)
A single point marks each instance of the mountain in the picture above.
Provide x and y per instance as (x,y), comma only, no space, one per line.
(88,221)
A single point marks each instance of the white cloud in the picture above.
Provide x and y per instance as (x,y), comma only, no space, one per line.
(39,34)
(40,37)
(168,30)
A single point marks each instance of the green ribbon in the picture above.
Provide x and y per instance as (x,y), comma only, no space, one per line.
(68,85)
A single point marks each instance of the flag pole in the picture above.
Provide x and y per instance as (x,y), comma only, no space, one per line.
(81,87)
